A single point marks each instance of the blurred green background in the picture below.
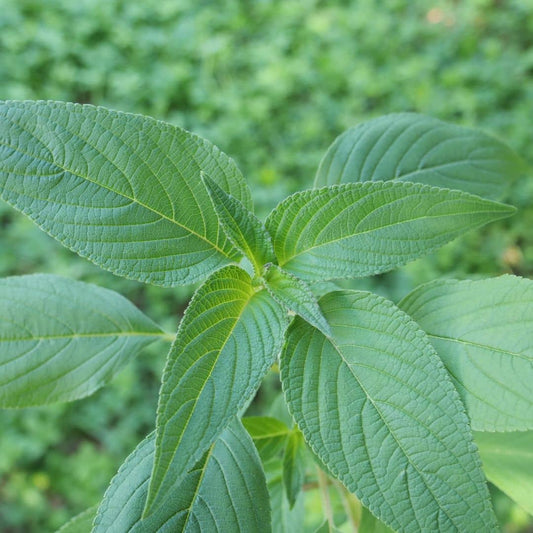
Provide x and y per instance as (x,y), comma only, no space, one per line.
(272,83)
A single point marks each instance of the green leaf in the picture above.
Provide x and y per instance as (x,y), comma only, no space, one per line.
(122,190)
(225,491)
(296,296)
(360,229)
(228,339)
(508,463)
(82,523)
(378,408)
(370,524)
(243,228)
(483,331)
(284,518)
(294,466)
(269,434)
(61,340)
(416,148)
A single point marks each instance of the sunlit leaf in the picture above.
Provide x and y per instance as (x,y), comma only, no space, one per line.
(360,229)
(229,337)
(122,190)
(243,228)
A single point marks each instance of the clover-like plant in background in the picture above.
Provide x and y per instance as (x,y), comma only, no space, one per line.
(382,397)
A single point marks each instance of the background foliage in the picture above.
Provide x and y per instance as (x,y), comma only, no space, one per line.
(272,83)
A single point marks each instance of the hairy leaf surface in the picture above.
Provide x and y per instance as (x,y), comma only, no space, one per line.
(225,491)
(360,229)
(416,148)
(296,296)
(508,463)
(122,190)
(61,340)
(483,331)
(242,227)
(229,337)
(378,408)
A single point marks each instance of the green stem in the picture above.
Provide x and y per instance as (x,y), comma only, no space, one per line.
(352,506)
(323,483)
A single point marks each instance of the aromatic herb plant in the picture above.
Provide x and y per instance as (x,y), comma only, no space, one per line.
(383,398)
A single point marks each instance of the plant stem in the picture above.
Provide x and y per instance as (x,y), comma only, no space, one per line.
(323,483)
(351,504)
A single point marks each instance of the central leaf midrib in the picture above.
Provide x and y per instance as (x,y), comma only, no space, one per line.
(110,189)
(87,335)
(198,486)
(267,436)
(353,235)
(196,400)
(479,345)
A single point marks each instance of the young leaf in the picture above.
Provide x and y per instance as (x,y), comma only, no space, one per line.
(483,331)
(296,296)
(82,523)
(285,519)
(61,340)
(243,228)
(294,466)
(225,491)
(360,229)
(122,190)
(228,338)
(269,434)
(508,463)
(416,148)
(378,408)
